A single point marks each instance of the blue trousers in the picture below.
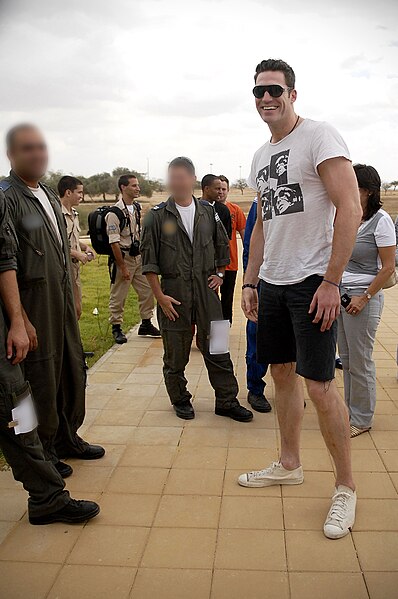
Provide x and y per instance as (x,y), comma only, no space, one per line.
(255,372)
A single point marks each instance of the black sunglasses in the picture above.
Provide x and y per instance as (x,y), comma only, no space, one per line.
(275,91)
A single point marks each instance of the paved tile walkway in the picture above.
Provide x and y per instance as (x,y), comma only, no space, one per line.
(175,524)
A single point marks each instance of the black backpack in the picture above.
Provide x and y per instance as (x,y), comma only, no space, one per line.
(97,228)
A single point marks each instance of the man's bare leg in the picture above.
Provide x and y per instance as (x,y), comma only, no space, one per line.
(335,427)
(289,400)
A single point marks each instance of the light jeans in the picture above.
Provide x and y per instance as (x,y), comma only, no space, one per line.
(356,337)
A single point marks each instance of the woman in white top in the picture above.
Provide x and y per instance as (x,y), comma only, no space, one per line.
(370,266)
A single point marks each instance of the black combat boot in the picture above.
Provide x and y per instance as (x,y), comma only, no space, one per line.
(63,469)
(236,412)
(147,329)
(184,410)
(118,334)
(74,512)
(259,402)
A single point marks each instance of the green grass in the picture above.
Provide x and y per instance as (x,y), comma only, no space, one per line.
(96,330)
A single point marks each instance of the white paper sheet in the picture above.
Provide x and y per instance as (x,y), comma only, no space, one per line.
(219,337)
(24,414)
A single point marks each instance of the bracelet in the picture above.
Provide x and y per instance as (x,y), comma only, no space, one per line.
(331,283)
(249,285)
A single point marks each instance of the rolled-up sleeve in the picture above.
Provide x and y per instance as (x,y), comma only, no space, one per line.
(8,239)
(149,246)
(112,227)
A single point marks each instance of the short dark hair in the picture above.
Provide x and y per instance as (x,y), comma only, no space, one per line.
(368,178)
(124,180)
(272,64)
(67,182)
(13,132)
(224,179)
(208,180)
(184,162)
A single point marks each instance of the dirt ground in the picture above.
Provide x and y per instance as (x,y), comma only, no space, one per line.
(390,200)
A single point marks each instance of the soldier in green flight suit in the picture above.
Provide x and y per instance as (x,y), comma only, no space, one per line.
(55,364)
(48,501)
(185,243)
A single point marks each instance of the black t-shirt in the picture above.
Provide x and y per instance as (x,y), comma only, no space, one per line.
(225,216)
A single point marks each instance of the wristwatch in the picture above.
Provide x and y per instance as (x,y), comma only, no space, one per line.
(368,295)
(220,274)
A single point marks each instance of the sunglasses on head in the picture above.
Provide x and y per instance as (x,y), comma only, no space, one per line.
(275,91)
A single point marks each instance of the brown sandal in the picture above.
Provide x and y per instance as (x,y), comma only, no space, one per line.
(355,431)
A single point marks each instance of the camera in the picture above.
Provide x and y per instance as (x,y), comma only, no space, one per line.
(134,250)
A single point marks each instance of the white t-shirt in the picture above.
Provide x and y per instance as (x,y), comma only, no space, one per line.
(187,214)
(297,212)
(41,195)
(384,236)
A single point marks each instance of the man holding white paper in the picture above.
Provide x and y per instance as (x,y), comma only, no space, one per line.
(184,242)
(48,501)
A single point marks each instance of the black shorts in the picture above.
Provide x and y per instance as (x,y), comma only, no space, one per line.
(287,334)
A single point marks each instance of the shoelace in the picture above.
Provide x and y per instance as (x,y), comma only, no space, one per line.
(338,511)
(260,473)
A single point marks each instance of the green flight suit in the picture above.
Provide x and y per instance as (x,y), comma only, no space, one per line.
(56,369)
(184,268)
(23,452)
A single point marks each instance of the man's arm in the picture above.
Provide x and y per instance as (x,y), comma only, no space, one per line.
(251,219)
(241,223)
(341,185)
(113,231)
(119,259)
(149,248)
(165,301)
(17,339)
(256,253)
(81,256)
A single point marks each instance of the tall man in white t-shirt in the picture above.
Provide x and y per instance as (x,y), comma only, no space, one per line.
(308,216)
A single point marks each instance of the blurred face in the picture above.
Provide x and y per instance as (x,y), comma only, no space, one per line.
(180,182)
(214,191)
(224,191)
(275,111)
(75,196)
(28,154)
(132,190)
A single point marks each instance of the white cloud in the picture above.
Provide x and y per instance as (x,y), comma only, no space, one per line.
(112,83)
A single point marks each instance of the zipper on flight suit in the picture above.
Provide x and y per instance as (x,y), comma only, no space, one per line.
(30,244)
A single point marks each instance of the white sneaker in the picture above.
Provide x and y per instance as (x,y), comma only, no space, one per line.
(275,474)
(341,516)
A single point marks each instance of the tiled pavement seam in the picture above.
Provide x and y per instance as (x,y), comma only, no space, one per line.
(227,449)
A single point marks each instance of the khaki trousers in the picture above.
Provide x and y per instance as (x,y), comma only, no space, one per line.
(76,278)
(120,289)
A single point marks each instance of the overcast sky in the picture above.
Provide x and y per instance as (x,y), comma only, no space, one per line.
(113,83)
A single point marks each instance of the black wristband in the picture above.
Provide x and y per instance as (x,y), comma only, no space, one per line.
(331,283)
(249,285)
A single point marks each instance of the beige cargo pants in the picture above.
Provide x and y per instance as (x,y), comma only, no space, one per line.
(120,289)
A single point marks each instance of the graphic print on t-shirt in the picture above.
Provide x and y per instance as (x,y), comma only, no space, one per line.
(278,197)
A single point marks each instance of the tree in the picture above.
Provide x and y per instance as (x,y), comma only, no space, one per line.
(51,179)
(385,186)
(100,184)
(241,184)
(147,187)
(394,184)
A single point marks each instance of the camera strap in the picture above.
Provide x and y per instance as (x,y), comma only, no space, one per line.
(129,219)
